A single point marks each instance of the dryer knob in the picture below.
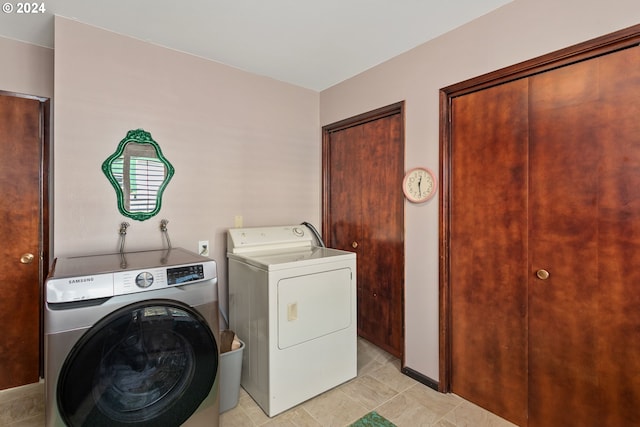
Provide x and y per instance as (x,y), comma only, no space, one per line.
(144,280)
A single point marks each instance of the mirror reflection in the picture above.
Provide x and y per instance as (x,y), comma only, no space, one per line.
(139,173)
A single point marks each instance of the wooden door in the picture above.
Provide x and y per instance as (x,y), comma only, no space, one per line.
(21,190)
(584,320)
(545,178)
(364,213)
(488,263)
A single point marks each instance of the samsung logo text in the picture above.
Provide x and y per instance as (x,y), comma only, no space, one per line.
(81,280)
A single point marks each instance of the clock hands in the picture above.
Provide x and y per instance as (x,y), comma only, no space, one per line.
(419,187)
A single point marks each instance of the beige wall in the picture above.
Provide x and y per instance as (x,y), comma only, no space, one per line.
(26,69)
(518,31)
(240,144)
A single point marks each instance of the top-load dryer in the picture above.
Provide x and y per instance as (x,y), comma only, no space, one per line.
(294,305)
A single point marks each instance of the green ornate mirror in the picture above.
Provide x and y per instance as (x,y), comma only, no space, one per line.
(139,173)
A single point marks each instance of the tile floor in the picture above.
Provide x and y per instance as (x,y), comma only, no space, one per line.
(379,386)
(22,406)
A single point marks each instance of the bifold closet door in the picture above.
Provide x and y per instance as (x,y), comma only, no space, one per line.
(488,238)
(584,291)
(545,245)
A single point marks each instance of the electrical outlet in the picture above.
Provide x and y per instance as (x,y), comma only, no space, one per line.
(203,247)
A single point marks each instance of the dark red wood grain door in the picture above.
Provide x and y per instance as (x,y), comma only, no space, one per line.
(488,245)
(584,319)
(21,131)
(364,213)
(545,245)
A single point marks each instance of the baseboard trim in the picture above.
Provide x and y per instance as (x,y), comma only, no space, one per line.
(421,378)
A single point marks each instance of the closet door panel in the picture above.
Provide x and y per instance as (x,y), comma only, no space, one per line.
(619,238)
(584,324)
(489,249)
(564,156)
(383,234)
(364,213)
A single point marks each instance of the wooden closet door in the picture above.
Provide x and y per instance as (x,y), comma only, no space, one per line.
(545,245)
(20,233)
(584,319)
(363,213)
(488,249)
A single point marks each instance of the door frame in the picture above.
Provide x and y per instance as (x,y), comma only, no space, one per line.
(609,43)
(45,196)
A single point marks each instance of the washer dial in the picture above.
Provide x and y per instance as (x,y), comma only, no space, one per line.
(144,279)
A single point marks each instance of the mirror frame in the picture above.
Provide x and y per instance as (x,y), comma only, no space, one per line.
(138,136)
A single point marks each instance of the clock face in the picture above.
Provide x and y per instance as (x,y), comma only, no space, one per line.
(419,185)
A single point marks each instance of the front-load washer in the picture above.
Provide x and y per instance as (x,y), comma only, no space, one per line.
(294,306)
(131,339)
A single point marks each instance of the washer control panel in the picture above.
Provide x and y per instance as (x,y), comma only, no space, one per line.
(67,289)
(186,274)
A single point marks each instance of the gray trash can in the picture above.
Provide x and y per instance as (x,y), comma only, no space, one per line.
(230,373)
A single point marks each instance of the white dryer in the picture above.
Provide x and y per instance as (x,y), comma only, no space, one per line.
(294,305)
(132,339)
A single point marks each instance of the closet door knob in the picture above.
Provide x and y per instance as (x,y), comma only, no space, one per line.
(354,245)
(27,258)
(542,274)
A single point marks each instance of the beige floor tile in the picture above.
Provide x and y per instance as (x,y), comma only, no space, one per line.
(419,406)
(442,403)
(402,410)
(235,418)
(335,409)
(370,366)
(368,391)
(469,415)
(19,392)
(21,403)
(36,421)
(443,423)
(297,417)
(389,373)
(251,408)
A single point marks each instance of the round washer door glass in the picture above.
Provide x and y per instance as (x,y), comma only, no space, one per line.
(148,364)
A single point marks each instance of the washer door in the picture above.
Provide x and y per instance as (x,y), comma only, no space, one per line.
(150,364)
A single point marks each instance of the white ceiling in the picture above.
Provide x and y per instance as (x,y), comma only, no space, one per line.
(310,43)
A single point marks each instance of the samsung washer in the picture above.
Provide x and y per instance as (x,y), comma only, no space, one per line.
(132,339)
(294,306)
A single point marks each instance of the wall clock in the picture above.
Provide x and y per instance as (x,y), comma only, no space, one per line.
(419,185)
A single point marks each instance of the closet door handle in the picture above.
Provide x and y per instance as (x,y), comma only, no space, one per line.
(354,245)
(542,274)
(27,258)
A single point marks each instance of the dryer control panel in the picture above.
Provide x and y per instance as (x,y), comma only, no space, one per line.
(251,239)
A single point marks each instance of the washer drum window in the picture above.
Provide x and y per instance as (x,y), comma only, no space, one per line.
(150,364)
